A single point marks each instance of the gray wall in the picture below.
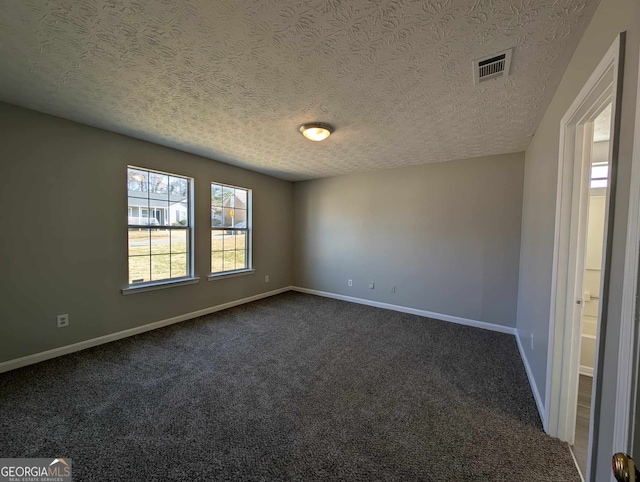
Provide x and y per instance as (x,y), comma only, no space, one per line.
(541,166)
(64,233)
(446,235)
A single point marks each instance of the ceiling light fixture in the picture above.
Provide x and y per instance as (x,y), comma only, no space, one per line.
(316,131)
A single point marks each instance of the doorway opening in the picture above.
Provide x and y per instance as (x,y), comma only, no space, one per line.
(597,156)
(570,279)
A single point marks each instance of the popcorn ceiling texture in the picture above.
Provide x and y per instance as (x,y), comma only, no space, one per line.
(233,80)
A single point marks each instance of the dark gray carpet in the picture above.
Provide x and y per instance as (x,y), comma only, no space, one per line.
(293,387)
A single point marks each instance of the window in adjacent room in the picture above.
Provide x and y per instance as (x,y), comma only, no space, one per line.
(160,226)
(230,228)
(599,174)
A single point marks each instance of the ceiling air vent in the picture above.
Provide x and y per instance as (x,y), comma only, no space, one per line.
(492,67)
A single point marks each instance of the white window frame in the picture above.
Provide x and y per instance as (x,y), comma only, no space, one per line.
(189,228)
(249,269)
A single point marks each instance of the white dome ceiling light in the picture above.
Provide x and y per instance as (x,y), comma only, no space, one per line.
(316,131)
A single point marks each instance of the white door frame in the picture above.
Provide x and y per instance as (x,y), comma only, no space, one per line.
(572,194)
(623,428)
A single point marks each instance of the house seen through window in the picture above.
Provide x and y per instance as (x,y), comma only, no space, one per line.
(160,228)
(230,233)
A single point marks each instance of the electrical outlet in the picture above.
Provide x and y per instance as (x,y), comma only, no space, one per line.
(372,285)
(266,278)
(393,289)
(350,282)
(532,341)
(63,320)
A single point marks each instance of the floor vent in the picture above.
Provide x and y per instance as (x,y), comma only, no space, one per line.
(492,67)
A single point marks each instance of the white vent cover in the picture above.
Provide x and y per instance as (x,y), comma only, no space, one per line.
(492,67)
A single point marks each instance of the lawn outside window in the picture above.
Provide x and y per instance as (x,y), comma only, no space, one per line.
(230,230)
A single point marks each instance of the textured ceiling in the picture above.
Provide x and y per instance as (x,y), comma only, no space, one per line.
(602,125)
(233,80)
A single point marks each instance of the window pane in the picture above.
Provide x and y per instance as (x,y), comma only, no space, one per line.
(139,242)
(179,265)
(177,188)
(241,260)
(179,241)
(599,183)
(228,197)
(160,266)
(216,217)
(158,213)
(178,214)
(216,262)
(229,242)
(158,183)
(135,206)
(137,181)
(240,218)
(241,199)
(139,269)
(160,241)
(216,195)
(216,240)
(228,215)
(229,260)
(600,172)
(241,240)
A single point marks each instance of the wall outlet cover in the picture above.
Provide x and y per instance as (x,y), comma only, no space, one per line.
(62,320)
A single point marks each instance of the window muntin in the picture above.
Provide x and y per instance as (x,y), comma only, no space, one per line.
(159,244)
(230,228)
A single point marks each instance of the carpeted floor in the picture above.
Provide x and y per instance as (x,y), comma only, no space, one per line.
(293,387)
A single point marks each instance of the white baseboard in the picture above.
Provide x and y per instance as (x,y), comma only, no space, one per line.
(532,382)
(64,350)
(575,462)
(412,311)
(587,371)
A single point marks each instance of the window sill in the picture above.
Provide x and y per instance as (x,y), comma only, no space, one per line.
(142,288)
(230,274)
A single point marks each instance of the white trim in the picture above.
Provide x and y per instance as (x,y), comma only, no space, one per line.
(158,285)
(413,311)
(625,403)
(532,380)
(575,462)
(230,274)
(64,350)
(564,340)
(586,371)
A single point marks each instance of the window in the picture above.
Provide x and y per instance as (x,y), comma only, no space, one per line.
(230,228)
(599,174)
(159,246)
